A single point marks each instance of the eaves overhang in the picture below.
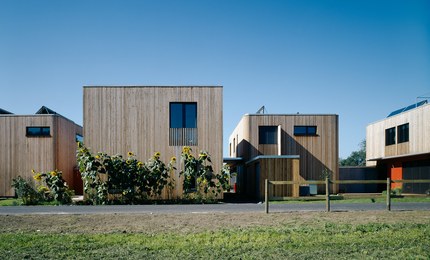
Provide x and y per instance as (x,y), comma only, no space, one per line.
(272,157)
(397,157)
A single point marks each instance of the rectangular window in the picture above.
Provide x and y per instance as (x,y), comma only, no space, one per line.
(390,136)
(183,124)
(183,115)
(267,134)
(403,133)
(38,131)
(305,130)
(79,138)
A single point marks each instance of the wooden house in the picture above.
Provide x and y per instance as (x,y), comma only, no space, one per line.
(42,142)
(149,119)
(283,147)
(399,146)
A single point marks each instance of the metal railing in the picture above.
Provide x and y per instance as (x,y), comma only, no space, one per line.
(183,136)
(327,183)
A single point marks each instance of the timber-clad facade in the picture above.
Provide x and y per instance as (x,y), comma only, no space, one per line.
(149,119)
(310,141)
(399,146)
(42,142)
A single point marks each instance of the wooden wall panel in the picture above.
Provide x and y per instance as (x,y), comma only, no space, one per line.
(278,169)
(65,143)
(21,154)
(316,152)
(122,119)
(419,134)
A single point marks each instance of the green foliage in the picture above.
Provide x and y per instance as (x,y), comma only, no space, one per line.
(326,173)
(25,191)
(394,192)
(52,186)
(357,158)
(133,180)
(200,182)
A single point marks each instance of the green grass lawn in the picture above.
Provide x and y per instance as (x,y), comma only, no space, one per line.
(330,241)
(10,202)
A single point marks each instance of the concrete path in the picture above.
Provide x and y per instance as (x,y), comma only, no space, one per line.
(207,208)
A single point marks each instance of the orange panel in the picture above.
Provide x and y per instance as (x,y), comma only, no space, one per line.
(396,173)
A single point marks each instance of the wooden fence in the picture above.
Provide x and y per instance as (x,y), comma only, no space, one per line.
(327,183)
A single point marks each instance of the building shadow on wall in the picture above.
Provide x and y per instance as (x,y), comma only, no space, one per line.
(311,168)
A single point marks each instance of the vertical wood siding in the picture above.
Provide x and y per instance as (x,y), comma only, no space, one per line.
(122,119)
(316,152)
(419,134)
(20,154)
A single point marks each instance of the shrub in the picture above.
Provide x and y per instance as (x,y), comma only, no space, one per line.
(131,179)
(25,191)
(52,186)
(199,177)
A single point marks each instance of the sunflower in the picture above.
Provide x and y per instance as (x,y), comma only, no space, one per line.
(130,154)
(37,177)
(186,149)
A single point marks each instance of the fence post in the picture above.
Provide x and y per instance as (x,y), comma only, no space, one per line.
(266,195)
(388,194)
(327,194)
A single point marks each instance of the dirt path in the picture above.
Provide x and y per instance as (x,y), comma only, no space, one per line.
(190,223)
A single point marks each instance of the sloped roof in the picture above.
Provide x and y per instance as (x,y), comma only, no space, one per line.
(46,111)
(5,112)
(404,109)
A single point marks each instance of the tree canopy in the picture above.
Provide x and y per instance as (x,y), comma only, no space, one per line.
(356,158)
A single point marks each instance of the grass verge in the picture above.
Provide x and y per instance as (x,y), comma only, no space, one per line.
(355,235)
(376,240)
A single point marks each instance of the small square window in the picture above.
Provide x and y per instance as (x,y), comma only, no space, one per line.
(267,134)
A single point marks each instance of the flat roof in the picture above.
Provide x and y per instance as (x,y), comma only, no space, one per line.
(290,115)
(153,86)
(273,157)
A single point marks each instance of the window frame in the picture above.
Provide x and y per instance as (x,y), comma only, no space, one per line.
(403,133)
(264,138)
(306,131)
(390,136)
(40,133)
(183,114)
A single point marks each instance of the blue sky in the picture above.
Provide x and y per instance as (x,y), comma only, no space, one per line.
(359,59)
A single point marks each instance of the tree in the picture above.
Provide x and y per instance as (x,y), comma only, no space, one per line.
(357,158)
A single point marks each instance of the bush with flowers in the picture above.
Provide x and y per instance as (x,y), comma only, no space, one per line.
(134,181)
(50,187)
(200,182)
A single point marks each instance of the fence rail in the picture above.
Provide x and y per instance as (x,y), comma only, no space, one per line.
(327,183)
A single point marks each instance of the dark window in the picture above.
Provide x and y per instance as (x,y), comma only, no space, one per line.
(38,131)
(403,133)
(390,136)
(183,115)
(79,138)
(183,124)
(304,130)
(267,134)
